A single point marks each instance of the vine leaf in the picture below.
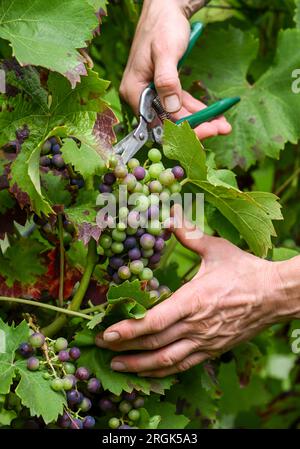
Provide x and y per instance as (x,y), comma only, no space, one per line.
(251,213)
(267,116)
(49,37)
(167,412)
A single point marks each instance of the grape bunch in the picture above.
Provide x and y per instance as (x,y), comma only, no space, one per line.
(86,398)
(136,241)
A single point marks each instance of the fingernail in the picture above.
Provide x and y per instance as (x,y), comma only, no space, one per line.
(99,340)
(111,336)
(172,103)
(118,366)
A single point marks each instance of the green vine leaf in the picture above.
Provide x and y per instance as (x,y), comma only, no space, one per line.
(49,37)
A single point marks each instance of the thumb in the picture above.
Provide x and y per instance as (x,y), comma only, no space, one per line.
(167,83)
(188,234)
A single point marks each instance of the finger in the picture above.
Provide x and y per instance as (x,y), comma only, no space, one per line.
(188,234)
(169,312)
(166,357)
(184,365)
(167,81)
(131,89)
(147,342)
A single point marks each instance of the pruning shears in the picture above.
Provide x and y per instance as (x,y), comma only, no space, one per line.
(152,113)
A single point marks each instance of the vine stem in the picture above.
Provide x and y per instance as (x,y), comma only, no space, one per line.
(61,261)
(75,304)
(45,306)
(95,308)
(287,182)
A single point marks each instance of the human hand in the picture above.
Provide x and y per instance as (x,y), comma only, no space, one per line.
(161,38)
(234,296)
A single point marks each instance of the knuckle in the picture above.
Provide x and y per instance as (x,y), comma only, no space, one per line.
(166,359)
(151,342)
(183,366)
(157,323)
(166,81)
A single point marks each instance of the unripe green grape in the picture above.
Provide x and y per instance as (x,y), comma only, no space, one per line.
(146,274)
(114,423)
(113,161)
(108,252)
(69,368)
(154,155)
(133,163)
(146,190)
(145,260)
(142,203)
(154,199)
(57,385)
(136,266)
(154,227)
(138,188)
(155,186)
(125,407)
(67,384)
(46,376)
(120,171)
(165,196)
(155,170)
(154,294)
(131,231)
(118,236)
(124,273)
(176,187)
(147,253)
(134,415)
(105,241)
(117,248)
(123,212)
(164,213)
(60,344)
(129,181)
(121,226)
(166,177)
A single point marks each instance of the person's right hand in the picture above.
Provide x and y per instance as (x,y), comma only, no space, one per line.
(161,38)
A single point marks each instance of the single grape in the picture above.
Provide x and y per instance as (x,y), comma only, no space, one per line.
(74,397)
(153,284)
(58,161)
(130,181)
(147,253)
(85,405)
(139,232)
(125,407)
(56,149)
(130,242)
(166,235)
(46,147)
(118,236)
(69,367)
(64,421)
(146,190)
(105,241)
(123,213)
(139,402)
(154,294)
(89,422)
(113,423)
(117,247)
(154,228)
(113,161)
(53,140)
(134,254)
(155,170)
(60,344)
(106,405)
(104,188)
(141,203)
(64,356)
(45,161)
(116,279)
(131,231)
(136,266)
(153,212)
(68,382)
(154,155)
(138,188)
(164,290)
(165,196)
(57,384)
(116,262)
(77,182)
(133,163)
(110,270)
(166,177)
(74,353)
(159,244)
(46,375)
(175,188)
(130,396)
(124,273)
(76,423)
(178,172)
(146,274)
(147,241)
(120,171)
(109,178)
(139,173)
(133,219)
(155,187)
(82,373)
(125,426)
(155,259)
(134,415)
(33,364)
(121,226)
(69,227)
(26,350)
(93,385)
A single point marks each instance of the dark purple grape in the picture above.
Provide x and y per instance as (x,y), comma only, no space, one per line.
(116,262)
(89,422)
(124,426)
(45,161)
(74,397)
(56,149)
(93,385)
(116,279)
(58,161)
(130,396)
(178,172)
(33,364)
(64,421)
(159,244)
(82,373)
(139,173)
(166,234)
(110,270)
(139,402)
(53,140)
(77,182)
(134,254)
(106,405)
(74,353)
(64,356)
(140,232)
(104,188)
(76,423)
(26,350)
(154,259)
(130,242)
(109,178)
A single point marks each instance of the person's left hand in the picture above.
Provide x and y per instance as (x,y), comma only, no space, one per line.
(233,297)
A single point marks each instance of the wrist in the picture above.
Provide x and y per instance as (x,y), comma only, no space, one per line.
(188,7)
(286,282)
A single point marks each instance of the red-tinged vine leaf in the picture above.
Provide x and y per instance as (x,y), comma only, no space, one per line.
(96,293)
(104,130)
(49,37)
(247,357)
(19,290)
